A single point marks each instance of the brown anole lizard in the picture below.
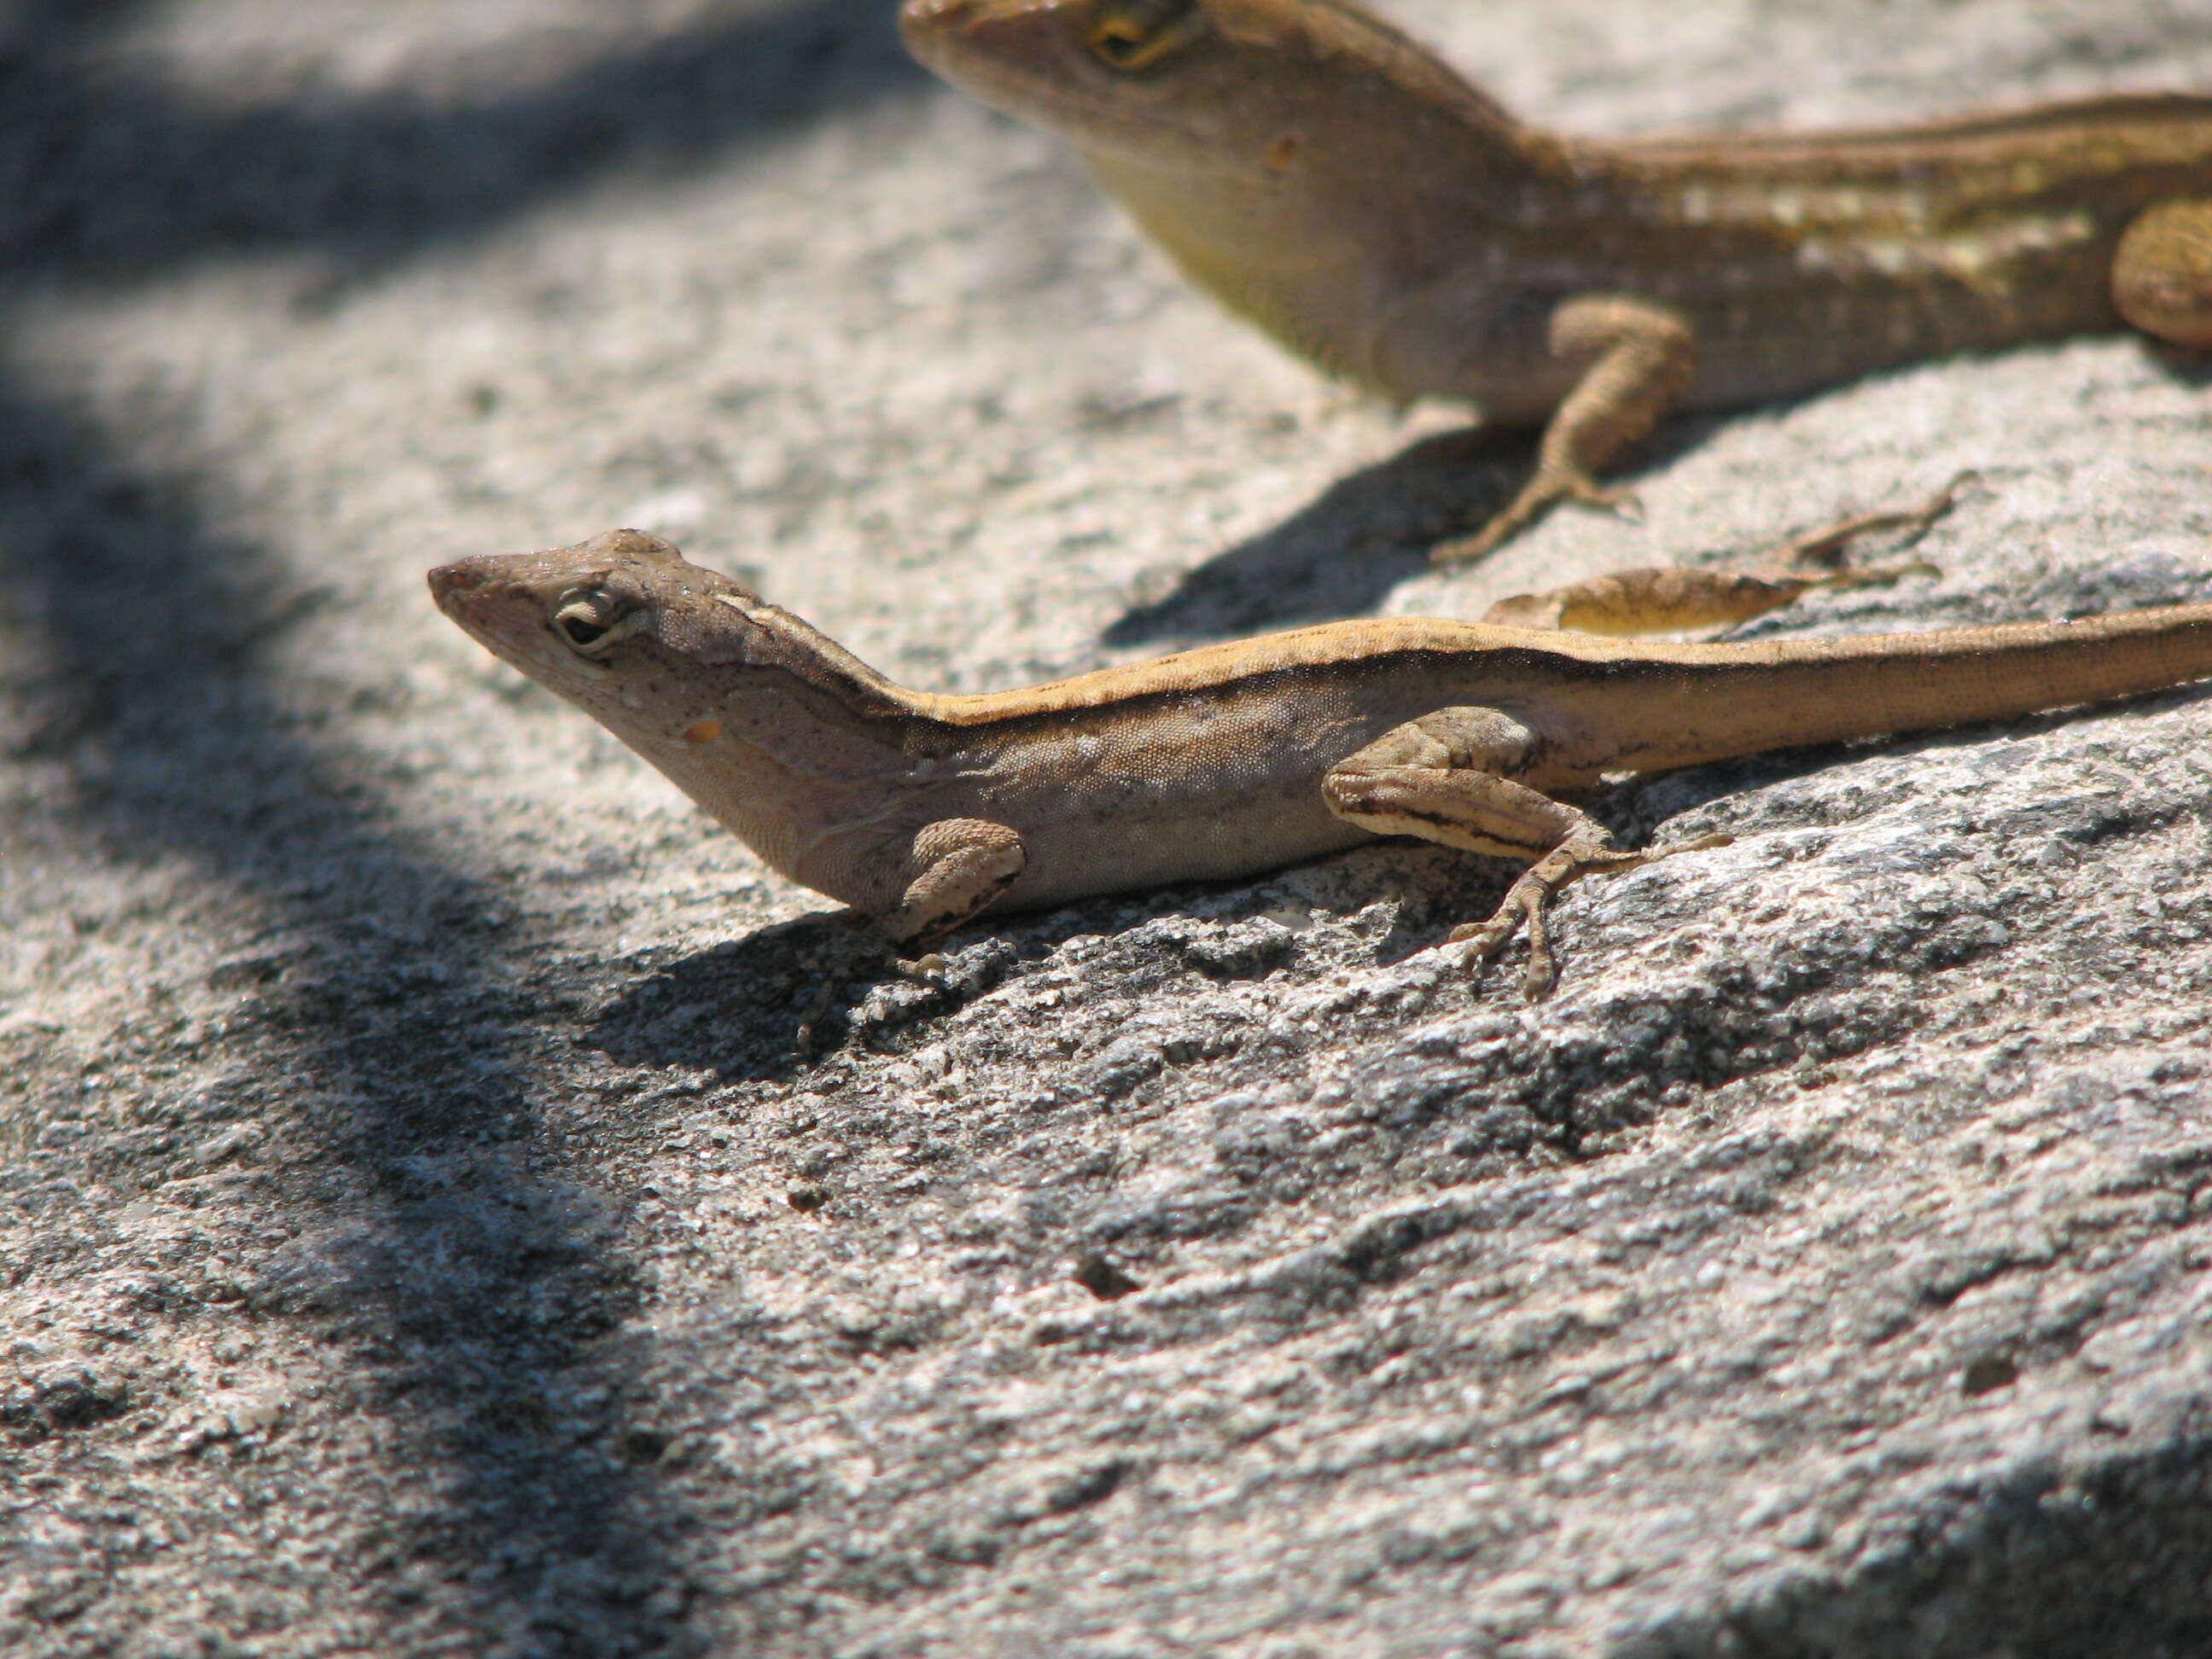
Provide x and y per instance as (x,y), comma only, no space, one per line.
(926,808)
(1335,183)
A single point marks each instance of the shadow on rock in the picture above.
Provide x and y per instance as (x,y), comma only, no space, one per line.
(382,1041)
(759,1007)
(116,176)
(387,1041)
(770,1005)
(2110,1561)
(1339,556)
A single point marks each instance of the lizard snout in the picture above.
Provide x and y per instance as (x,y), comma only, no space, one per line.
(453,586)
(935,14)
(996,50)
(925,21)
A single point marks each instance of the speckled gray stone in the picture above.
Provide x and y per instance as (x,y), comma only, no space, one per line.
(420,1229)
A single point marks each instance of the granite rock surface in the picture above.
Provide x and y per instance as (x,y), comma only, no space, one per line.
(420,1228)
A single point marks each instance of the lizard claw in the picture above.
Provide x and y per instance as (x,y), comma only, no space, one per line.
(1527,899)
(1483,940)
(923,971)
(1522,906)
(1617,498)
(1543,492)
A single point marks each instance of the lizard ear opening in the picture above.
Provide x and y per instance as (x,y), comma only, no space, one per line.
(592,621)
(1135,35)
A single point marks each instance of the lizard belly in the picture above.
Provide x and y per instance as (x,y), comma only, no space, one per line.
(1216,836)
(1752,348)
(1469,340)
(1116,806)
(1772,322)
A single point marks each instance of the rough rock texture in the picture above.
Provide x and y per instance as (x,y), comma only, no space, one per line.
(421,1232)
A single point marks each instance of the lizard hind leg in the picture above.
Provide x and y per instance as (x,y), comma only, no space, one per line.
(1442,777)
(2162,273)
(1635,359)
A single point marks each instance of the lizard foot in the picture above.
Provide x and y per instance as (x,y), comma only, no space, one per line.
(1823,549)
(1526,901)
(1544,491)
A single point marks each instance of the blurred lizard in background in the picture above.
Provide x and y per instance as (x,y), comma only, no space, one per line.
(1328,178)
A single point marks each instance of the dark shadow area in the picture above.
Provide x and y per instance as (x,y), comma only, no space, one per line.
(2191,368)
(2111,1562)
(41,28)
(108,176)
(385,982)
(382,987)
(771,1005)
(1340,555)
(738,1009)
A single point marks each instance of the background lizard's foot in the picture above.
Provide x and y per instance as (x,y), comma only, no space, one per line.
(1823,548)
(1544,492)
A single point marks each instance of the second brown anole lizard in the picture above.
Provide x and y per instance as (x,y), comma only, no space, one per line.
(925,809)
(1333,181)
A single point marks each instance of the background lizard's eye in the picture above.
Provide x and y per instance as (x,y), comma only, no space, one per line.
(590,621)
(1134,34)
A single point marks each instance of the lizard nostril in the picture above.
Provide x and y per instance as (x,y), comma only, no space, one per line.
(928,11)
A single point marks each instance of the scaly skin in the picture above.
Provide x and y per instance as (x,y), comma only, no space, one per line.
(1322,175)
(925,810)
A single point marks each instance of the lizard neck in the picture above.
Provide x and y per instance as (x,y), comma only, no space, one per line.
(779,759)
(1311,252)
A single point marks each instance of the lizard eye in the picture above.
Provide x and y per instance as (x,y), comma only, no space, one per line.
(1134,34)
(593,620)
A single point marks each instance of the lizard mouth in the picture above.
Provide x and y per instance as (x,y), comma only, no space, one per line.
(1041,60)
(1011,54)
(465,591)
(490,605)
(449,581)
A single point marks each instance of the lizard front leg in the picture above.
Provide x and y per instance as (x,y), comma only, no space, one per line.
(1633,359)
(954,868)
(1442,778)
(2162,273)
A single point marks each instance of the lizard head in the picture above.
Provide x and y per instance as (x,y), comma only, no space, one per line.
(664,654)
(1208,85)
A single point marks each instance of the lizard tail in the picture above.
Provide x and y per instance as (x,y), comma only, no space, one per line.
(1796,692)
